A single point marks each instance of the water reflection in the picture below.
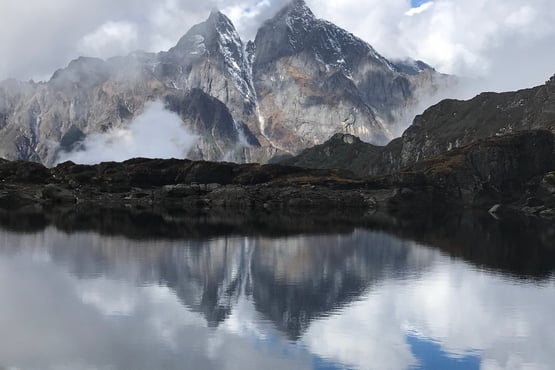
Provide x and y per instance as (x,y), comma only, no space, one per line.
(357,299)
(523,248)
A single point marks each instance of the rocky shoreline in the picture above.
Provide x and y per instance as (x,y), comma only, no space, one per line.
(514,172)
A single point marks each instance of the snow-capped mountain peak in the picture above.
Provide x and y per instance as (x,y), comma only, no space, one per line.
(297,15)
(216,39)
(215,32)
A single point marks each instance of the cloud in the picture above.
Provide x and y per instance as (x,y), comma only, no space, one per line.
(419,9)
(105,320)
(453,305)
(112,38)
(500,44)
(38,37)
(76,305)
(156,133)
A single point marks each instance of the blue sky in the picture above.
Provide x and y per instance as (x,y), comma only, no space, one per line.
(417,3)
(431,356)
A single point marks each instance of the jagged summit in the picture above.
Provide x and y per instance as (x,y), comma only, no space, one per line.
(285,33)
(335,81)
(296,29)
(221,22)
(297,10)
(209,36)
(216,14)
(298,4)
(218,40)
(411,66)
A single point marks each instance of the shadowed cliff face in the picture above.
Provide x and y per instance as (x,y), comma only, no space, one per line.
(302,80)
(451,123)
(442,128)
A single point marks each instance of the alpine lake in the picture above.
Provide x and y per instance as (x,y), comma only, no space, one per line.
(149,291)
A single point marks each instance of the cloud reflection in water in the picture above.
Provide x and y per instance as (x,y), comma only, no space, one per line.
(365,300)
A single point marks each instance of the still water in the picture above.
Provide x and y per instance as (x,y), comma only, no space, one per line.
(361,298)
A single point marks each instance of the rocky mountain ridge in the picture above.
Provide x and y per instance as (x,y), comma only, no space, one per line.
(515,170)
(442,128)
(301,80)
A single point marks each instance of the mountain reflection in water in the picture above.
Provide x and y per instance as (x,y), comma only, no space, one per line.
(354,297)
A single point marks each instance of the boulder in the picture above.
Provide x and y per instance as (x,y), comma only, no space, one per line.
(58,195)
(24,172)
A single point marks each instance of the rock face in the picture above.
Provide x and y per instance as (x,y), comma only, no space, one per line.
(440,129)
(451,123)
(299,82)
(496,169)
(220,137)
(314,79)
(340,151)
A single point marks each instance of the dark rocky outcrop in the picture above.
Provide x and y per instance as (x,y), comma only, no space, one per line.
(340,151)
(511,170)
(494,169)
(452,123)
(446,126)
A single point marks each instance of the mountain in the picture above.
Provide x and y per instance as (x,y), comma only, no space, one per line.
(343,151)
(453,123)
(443,127)
(300,81)
(197,79)
(314,79)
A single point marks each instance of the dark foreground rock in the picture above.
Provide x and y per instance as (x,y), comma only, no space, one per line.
(513,170)
(177,184)
(340,151)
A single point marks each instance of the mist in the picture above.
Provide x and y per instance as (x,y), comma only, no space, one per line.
(503,44)
(156,133)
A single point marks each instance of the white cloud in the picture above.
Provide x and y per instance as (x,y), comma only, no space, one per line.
(504,44)
(461,309)
(116,320)
(72,290)
(112,38)
(419,9)
(156,133)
